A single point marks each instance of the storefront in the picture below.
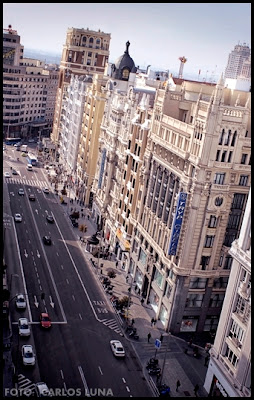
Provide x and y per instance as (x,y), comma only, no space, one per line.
(163,316)
(189,324)
(154,300)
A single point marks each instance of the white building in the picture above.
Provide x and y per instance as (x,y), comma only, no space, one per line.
(236,61)
(229,370)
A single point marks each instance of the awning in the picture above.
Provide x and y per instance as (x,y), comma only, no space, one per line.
(123,241)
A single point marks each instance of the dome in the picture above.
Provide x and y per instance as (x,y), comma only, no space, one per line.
(123,66)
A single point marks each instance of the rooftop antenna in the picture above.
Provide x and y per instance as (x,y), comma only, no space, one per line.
(183,61)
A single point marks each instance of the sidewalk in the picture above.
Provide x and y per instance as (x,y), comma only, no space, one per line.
(173,360)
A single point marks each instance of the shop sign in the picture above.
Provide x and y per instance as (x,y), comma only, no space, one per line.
(177,223)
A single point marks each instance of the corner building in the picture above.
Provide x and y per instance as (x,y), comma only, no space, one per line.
(193,193)
(229,369)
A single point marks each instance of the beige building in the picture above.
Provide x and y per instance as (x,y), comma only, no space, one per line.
(229,370)
(197,178)
(84,52)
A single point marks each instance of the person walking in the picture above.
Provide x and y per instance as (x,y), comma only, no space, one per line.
(149,337)
(178,384)
(116,264)
(142,301)
(152,322)
(132,321)
(196,389)
(161,338)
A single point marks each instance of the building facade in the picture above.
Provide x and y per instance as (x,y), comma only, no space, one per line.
(229,370)
(238,62)
(85,52)
(196,178)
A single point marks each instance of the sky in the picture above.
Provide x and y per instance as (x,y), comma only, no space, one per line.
(159,33)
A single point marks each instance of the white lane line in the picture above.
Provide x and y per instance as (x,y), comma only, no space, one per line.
(100,370)
(127,388)
(84,381)
(73,297)
(124,381)
(67,281)
(37,274)
(80,316)
(62,375)
(62,267)
(40,288)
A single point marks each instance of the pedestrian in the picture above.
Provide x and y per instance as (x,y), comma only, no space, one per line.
(178,384)
(196,389)
(152,321)
(206,360)
(149,337)
(116,264)
(132,321)
(136,286)
(161,338)
(127,278)
(82,215)
(158,377)
(142,301)
(88,217)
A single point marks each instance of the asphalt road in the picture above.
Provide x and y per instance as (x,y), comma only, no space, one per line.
(74,354)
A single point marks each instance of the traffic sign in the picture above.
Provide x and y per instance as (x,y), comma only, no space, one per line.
(157,343)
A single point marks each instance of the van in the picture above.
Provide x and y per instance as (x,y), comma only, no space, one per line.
(29,167)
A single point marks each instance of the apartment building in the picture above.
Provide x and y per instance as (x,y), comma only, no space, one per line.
(52,84)
(236,62)
(196,178)
(229,369)
(84,52)
(26,85)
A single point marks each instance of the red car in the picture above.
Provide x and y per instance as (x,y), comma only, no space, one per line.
(45,321)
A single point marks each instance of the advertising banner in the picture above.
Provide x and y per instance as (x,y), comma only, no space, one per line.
(177,223)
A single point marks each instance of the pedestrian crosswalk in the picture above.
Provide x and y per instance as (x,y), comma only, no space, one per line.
(26,385)
(30,182)
(112,324)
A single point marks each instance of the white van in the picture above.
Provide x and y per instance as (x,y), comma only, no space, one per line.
(29,167)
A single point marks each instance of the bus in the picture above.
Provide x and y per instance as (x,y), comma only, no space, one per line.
(12,141)
(32,159)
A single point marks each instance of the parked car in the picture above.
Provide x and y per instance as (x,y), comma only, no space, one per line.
(31,197)
(50,219)
(45,321)
(46,240)
(46,190)
(28,354)
(14,172)
(20,301)
(24,328)
(29,167)
(21,192)
(18,217)
(117,348)
(7,175)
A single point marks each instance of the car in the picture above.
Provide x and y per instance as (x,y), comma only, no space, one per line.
(117,348)
(29,167)
(18,217)
(45,190)
(28,354)
(14,172)
(42,390)
(50,219)
(45,321)
(31,197)
(46,239)
(20,301)
(24,328)
(7,175)
(21,192)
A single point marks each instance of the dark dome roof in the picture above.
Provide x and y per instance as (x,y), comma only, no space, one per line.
(123,62)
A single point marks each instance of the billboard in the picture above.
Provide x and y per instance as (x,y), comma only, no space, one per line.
(177,223)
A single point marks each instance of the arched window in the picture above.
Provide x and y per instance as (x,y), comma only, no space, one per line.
(91,40)
(84,39)
(234,138)
(98,41)
(223,156)
(221,136)
(227,138)
(125,74)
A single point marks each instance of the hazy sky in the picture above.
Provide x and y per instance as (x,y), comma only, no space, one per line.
(159,33)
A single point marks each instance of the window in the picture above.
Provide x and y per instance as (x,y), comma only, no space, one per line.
(125,74)
(158,278)
(212,222)
(228,262)
(142,256)
(232,358)
(211,322)
(217,155)
(244,158)
(218,201)
(230,156)
(221,136)
(234,139)
(204,262)
(216,300)
(194,300)
(223,156)
(238,201)
(198,283)
(220,283)
(209,241)
(219,178)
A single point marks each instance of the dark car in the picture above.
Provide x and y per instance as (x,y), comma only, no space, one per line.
(46,240)
(50,219)
(31,197)
(14,172)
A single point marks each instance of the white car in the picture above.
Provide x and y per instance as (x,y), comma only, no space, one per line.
(117,348)
(28,354)
(21,192)
(20,301)
(7,174)
(24,328)
(18,217)
(46,190)
(42,390)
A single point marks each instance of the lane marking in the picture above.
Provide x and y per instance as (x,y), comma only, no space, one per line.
(84,381)
(100,370)
(80,316)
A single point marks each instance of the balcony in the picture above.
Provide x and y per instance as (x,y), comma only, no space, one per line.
(244,291)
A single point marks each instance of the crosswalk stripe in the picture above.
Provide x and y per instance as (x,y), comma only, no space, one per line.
(109,321)
(26,384)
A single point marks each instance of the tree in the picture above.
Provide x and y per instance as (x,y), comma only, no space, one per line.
(82,228)
(111,274)
(123,302)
